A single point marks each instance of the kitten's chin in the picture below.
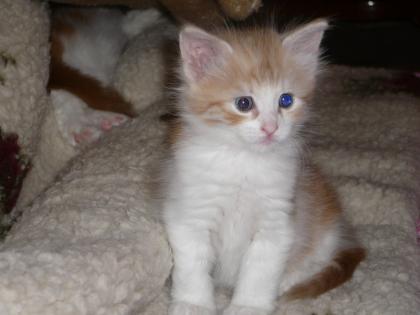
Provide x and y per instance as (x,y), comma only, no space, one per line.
(262,144)
(267,141)
(265,145)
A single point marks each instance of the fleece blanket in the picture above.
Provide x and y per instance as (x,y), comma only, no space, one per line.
(90,240)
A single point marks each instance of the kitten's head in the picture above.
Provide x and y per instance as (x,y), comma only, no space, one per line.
(252,86)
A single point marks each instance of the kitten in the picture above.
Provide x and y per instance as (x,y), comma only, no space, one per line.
(243,207)
(86,44)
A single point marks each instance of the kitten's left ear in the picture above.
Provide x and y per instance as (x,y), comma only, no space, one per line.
(200,51)
(303,44)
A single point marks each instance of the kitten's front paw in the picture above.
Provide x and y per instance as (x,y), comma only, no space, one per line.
(244,310)
(183,308)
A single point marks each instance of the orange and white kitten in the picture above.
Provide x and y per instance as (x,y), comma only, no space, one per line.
(243,208)
(86,44)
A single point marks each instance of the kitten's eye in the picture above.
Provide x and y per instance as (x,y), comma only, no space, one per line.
(244,103)
(286,100)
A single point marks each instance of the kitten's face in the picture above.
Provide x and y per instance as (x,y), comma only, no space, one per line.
(251,86)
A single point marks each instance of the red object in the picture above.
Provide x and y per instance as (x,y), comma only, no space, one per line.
(13,168)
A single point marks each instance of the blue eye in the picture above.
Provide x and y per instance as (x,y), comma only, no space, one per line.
(244,103)
(286,100)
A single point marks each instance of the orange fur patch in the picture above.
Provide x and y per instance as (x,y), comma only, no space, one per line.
(257,60)
(341,270)
(325,211)
(87,88)
(325,198)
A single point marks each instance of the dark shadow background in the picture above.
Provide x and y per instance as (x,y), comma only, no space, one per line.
(374,33)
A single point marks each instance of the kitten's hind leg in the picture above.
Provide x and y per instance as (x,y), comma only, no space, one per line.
(96,123)
(80,124)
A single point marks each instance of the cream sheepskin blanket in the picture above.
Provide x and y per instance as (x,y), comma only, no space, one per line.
(91,241)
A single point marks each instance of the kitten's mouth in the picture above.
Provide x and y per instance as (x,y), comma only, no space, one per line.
(267,140)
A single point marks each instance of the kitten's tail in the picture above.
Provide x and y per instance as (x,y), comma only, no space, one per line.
(341,270)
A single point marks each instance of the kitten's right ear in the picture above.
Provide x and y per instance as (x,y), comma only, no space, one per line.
(200,51)
(303,44)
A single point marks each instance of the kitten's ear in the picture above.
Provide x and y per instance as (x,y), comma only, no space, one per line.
(303,44)
(200,51)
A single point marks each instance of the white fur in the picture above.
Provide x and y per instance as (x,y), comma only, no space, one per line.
(224,206)
(97,45)
(228,213)
(231,191)
(94,49)
(267,98)
(228,208)
(75,119)
(136,21)
(312,264)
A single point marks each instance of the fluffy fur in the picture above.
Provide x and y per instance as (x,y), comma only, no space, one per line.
(86,44)
(243,208)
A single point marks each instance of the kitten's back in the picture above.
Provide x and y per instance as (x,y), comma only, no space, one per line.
(83,57)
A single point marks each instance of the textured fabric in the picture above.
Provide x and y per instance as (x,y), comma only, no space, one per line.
(25,108)
(24,31)
(92,243)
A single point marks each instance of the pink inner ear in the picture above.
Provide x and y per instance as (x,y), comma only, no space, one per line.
(200,58)
(304,43)
(200,51)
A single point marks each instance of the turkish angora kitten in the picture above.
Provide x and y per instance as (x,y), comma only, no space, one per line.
(86,44)
(242,208)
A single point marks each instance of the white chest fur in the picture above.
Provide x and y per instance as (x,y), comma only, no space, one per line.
(232,196)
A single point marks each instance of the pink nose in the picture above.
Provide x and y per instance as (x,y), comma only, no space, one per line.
(269,129)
